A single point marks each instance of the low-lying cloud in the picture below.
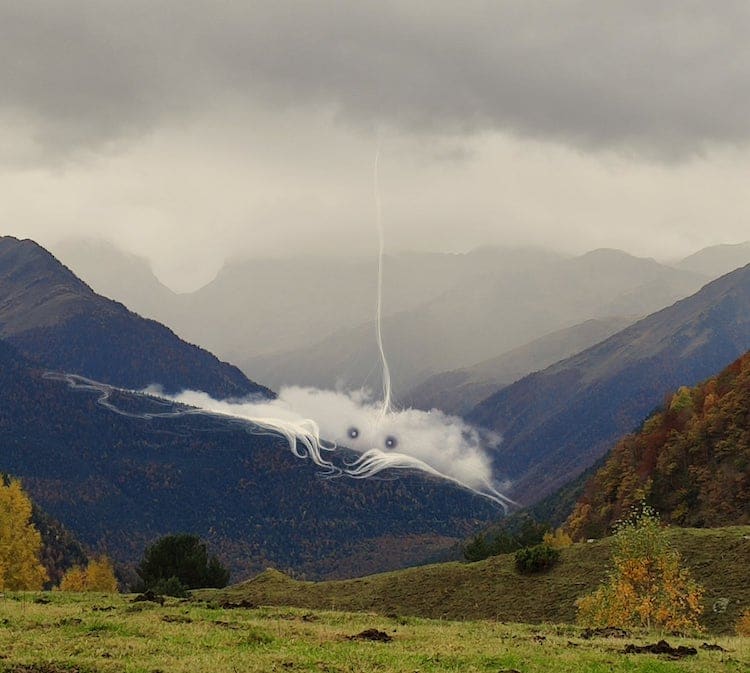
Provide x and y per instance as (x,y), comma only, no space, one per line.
(432,441)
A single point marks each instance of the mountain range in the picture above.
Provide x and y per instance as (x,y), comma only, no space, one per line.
(441,311)
(557,422)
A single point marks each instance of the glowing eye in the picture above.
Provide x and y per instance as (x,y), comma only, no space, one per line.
(391,442)
(353,433)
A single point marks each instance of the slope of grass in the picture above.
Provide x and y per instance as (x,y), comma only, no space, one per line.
(492,589)
(110,634)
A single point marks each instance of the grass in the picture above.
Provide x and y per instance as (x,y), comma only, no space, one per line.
(77,633)
(492,589)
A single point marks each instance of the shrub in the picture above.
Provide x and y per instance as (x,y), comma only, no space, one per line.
(536,559)
(647,587)
(170,587)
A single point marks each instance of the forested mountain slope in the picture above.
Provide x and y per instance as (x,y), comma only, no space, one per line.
(119,482)
(690,461)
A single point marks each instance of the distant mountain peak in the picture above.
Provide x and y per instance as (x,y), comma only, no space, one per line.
(55,319)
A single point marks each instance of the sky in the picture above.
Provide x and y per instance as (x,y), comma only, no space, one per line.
(191,132)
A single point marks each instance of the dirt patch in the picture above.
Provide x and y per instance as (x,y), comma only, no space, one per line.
(46,668)
(176,619)
(606,632)
(234,605)
(662,647)
(148,596)
(372,634)
(712,647)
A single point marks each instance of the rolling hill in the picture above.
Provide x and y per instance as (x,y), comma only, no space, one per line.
(557,422)
(493,589)
(54,318)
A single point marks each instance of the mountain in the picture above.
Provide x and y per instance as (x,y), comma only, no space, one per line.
(459,391)
(118,275)
(717,260)
(557,422)
(499,308)
(690,461)
(118,483)
(54,318)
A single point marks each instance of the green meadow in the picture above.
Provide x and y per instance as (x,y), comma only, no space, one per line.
(91,633)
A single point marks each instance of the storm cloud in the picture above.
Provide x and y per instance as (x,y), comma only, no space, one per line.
(665,80)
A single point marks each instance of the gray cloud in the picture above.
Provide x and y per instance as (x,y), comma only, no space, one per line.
(661,79)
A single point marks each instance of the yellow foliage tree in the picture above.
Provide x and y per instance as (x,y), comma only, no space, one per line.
(99,575)
(74,580)
(647,586)
(557,540)
(20,541)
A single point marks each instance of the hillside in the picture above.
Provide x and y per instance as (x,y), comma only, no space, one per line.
(492,589)
(458,391)
(501,307)
(717,260)
(690,461)
(55,319)
(118,483)
(557,422)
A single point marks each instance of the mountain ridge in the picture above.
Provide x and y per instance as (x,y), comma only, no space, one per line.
(54,318)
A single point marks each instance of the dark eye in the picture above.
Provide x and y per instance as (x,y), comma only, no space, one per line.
(391,442)
(353,433)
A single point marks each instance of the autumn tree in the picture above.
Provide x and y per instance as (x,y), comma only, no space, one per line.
(20,542)
(647,586)
(98,575)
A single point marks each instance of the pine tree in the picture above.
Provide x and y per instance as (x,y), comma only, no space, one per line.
(20,542)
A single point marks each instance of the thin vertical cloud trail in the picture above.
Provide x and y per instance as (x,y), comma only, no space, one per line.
(384,438)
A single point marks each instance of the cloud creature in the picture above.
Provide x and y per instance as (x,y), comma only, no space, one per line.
(431,442)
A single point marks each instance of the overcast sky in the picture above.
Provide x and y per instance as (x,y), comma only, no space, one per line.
(191,131)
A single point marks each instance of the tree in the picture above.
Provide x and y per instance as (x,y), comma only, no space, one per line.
(183,557)
(20,542)
(647,585)
(99,575)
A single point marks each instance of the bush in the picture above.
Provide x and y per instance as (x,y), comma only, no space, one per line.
(182,558)
(647,587)
(170,587)
(530,560)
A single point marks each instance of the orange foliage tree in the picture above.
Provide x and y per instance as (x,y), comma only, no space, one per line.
(647,586)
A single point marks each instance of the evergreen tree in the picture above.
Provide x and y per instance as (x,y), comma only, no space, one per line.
(185,558)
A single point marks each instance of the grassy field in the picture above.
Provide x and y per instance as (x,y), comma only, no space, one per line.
(719,559)
(73,633)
